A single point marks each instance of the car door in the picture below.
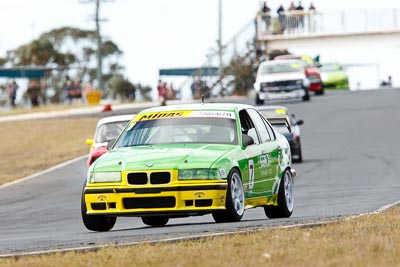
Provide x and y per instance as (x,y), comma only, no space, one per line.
(268,161)
(251,173)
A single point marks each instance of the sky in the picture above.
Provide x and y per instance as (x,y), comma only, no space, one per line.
(152,34)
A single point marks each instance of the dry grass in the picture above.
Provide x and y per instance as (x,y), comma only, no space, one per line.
(31,146)
(46,108)
(366,241)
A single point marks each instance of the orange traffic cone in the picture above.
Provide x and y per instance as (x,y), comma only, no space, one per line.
(107,107)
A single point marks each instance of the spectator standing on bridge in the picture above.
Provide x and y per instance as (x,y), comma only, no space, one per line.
(311,18)
(300,14)
(266,16)
(281,18)
(291,18)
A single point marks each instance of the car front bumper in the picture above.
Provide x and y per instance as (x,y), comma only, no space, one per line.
(281,95)
(174,200)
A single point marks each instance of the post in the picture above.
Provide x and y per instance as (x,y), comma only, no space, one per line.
(98,52)
(221,67)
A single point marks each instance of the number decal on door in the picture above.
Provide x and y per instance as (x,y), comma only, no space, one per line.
(251,174)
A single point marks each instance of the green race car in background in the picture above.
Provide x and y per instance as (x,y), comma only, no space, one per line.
(187,160)
(333,76)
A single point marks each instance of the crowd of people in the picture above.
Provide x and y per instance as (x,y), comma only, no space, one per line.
(34,94)
(290,20)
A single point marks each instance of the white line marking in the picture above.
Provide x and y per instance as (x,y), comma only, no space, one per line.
(35,175)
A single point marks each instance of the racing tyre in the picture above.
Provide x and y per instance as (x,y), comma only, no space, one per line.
(299,158)
(156,221)
(306,97)
(98,223)
(320,92)
(285,199)
(259,101)
(234,200)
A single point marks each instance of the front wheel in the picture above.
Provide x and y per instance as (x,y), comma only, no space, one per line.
(98,223)
(234,200)
(259,102)
(156,221)
(285,199)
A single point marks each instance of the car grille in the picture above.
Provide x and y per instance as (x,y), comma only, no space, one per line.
(279,86)
(142,178)
(149,202)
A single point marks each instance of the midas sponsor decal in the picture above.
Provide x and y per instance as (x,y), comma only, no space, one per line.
(183,114)
(161,115)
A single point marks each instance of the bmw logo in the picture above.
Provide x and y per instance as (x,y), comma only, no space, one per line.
(149,165)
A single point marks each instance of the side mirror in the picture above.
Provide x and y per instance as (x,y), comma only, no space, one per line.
(247,140)
(89,142)
(110,144)
(300,122)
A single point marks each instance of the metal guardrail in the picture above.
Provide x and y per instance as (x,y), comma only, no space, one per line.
(336,22)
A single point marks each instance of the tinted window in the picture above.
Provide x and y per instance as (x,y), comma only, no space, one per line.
(260,125)
(247,126)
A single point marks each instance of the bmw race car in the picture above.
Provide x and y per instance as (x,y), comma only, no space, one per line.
(282,120)
(187,160)
(107,129)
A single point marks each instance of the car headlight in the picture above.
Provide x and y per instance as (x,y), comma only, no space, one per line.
(104,177)
(199,174)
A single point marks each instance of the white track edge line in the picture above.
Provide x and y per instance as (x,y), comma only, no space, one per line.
(58,166)
(192,237)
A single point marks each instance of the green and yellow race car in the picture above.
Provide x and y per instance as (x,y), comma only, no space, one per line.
(186,160)
(333,76)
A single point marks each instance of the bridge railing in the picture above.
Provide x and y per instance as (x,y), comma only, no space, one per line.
(311,22)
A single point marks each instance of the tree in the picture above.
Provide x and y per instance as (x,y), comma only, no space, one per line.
(71,52)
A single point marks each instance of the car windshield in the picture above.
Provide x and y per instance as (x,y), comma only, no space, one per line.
(109,131)
(180,131)
(281,68)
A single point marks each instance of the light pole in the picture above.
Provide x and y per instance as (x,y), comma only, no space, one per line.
(219,41)
(98,52)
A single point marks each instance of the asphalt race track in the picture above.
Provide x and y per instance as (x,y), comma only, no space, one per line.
(351,165)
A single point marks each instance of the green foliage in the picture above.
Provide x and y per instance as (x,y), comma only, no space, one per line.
(69,50)
(120,85)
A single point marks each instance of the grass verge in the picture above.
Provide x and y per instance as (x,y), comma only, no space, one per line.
(371,240)
(32,146)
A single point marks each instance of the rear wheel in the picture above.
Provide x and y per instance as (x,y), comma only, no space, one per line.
(234,200)
(299,155)
(285,199)
(320,92)
(98,223)
(156,221)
